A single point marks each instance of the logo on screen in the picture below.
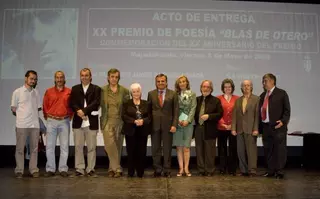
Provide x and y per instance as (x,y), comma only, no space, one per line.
(307,64)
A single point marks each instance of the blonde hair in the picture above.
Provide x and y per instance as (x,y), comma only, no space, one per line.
(176,85)
(210,84)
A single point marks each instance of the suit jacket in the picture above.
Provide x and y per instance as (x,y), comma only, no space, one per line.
(214,109)
(166,116)
(124,93)
(248,121)
(92,97)
(278,108)
(129,116)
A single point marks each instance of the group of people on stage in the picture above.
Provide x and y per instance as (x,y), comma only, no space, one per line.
(172,117)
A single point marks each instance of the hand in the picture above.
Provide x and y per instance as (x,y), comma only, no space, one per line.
(279,124)
(204,117)
(173,129)
(80,113)
(184,123)
(234,133)
(228,127)
(84,118)
(255,133)
(140,122)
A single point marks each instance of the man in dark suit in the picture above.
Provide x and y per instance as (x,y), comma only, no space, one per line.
(274,111)
(165,110)
(245,124)
(85,102)
(208,113)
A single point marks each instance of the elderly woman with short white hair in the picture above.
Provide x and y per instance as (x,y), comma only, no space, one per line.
(136,115)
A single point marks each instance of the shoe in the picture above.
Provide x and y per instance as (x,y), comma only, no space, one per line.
(209,174)
(117,174)
(19,175)
(268,175)
(111,174)
(157,174)
(188,174)
(243,174)
(167,174)
(201,174)
(232,173)
(279,176)
(222,172)
(78,174)
(92,174)
(64,174)
(35,175)
(49,174)
(252,175)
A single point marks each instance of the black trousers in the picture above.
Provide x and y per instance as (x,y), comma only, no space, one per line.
(227,162)
(161,143)
(136,146)
(275,148)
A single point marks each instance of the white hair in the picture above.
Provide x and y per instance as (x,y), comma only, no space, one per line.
(135,86)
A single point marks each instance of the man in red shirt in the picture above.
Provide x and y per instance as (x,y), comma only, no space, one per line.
(58,114)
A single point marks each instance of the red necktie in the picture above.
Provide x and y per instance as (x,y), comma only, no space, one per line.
(160,98)
(264,107)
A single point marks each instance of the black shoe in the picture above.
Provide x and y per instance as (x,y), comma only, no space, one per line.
(201,174)
(117,174)
(157,174)
(209,174)
(232,173)
(49,174)
(243,174)
(222,172)
(252,175)
(279,176)
(78,174)
(167,174)
(35,175)
(111,174)
(64,174)
(19,175)
(268,175)
(92,174)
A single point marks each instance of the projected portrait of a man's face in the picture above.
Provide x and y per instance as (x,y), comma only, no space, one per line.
(44,40)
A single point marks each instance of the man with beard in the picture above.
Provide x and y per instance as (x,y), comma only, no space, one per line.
(58,114)
(25,104)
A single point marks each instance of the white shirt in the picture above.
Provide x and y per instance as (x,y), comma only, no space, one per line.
(85,123)
(267,115)
(27,104)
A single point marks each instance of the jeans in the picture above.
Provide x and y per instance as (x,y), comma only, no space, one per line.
(61,129)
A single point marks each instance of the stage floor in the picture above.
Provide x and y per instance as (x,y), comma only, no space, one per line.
(297,184)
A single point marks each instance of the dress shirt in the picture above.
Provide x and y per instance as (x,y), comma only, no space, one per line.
(267,114)
(56,102)
(85,123)
(27,104)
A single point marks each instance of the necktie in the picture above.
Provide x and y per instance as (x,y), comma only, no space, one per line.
(160,96)
(202,111)
(264,107)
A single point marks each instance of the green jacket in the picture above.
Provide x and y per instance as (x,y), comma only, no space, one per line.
(104,102)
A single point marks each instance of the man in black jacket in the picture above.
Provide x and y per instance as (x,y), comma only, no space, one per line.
(274,111)
(85,102)
(208,113)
